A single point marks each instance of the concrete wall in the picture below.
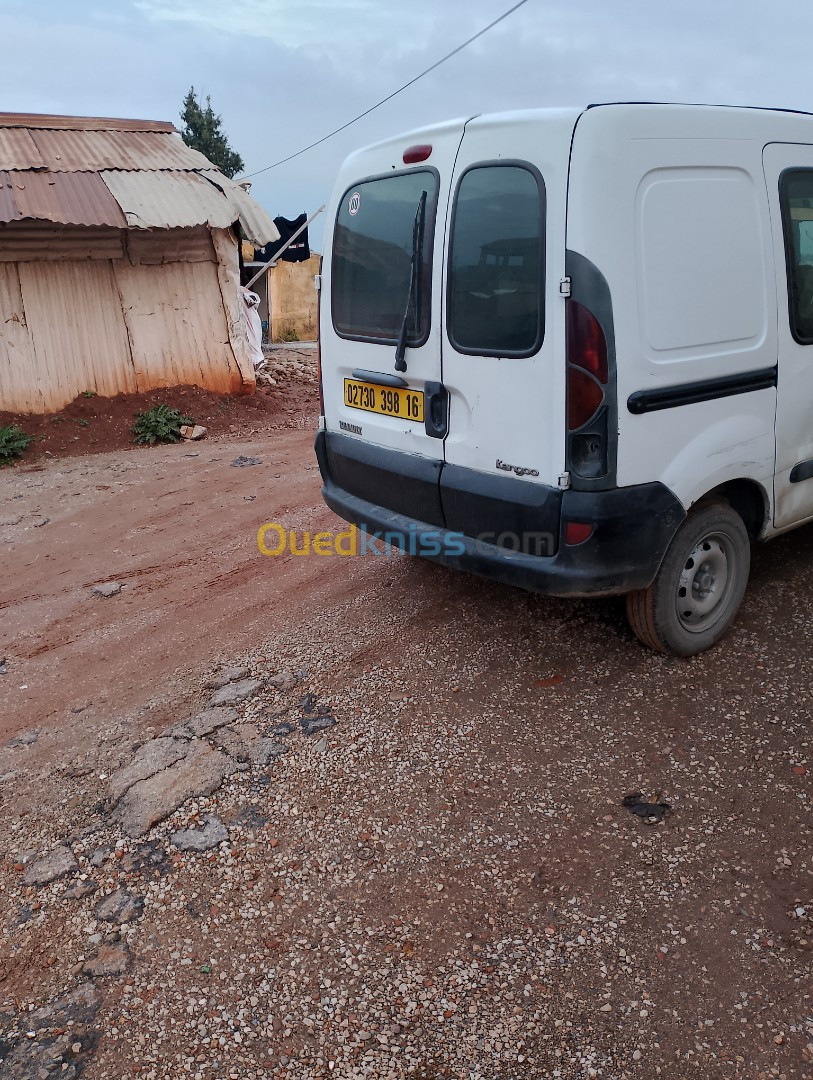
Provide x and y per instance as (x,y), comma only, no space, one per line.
(293,300)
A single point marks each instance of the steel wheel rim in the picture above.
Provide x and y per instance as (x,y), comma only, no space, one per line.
(706,583)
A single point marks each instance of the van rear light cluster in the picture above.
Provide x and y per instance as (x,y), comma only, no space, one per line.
(587,365)
(587,377)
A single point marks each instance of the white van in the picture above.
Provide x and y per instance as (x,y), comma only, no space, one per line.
(572,350)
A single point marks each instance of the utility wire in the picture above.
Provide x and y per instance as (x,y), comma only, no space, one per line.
(389,97)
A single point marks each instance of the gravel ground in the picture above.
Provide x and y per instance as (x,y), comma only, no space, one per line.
(291,362)
(435,876)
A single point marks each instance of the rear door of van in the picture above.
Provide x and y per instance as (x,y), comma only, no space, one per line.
(381,322)
(504,329)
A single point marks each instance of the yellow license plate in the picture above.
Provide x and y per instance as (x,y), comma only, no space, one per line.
(387,400)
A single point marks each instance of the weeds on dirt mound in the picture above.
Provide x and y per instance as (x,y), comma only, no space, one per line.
(13,444)
(159,424)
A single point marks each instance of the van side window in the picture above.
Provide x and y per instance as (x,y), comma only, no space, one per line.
(496,261)
(796,199)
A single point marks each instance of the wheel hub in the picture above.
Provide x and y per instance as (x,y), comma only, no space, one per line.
(704,582)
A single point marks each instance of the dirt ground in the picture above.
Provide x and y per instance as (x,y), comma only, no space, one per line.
(93,425)
(176,526)
(433,875)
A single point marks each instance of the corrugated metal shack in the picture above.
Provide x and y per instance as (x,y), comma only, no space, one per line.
(119,268)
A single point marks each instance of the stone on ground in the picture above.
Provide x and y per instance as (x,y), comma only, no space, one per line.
(149,759)
(224,676)
(235,692)
(193,432)
(110,960)
(285,680)
(244,742)
(119,907)
(312,724)
(108,588)
(25,738)
(56,864)
(214,832)
(63,1037)
(149,801)
(203,723)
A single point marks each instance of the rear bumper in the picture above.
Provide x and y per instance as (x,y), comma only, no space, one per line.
(632,527)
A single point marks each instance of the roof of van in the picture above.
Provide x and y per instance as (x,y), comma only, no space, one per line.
(573,112)
(702,105)
(626,119)
(664,120)
(676,120)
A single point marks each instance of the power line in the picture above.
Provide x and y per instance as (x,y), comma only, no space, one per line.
(389,97)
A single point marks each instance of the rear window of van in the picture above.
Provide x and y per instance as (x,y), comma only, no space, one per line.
(496,262)
(382,250)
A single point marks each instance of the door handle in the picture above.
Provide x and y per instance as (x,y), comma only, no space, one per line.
(379,377)
(436,410)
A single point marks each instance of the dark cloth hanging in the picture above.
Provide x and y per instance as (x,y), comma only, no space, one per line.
(299,251)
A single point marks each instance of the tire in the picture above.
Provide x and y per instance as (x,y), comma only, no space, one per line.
(699,587)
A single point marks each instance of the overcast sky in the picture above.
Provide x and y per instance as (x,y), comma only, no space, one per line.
(284,72)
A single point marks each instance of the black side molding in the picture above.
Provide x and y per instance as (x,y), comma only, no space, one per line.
(802,471)
(643,401)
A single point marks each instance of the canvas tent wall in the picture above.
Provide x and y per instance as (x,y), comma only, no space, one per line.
(118,263)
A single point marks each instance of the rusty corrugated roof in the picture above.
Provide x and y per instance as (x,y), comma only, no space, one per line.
(257,223)
(92,151)
(63,198)
(8,207)
(80,123)
(18,150)
(94,171)
(162,200)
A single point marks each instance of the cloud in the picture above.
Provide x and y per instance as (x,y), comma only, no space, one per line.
(308,23)
(284,72)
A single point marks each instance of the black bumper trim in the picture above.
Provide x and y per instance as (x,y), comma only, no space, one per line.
(632,528)
(407,483)
(477,504)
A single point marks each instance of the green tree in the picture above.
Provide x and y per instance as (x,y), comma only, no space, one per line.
(202,131)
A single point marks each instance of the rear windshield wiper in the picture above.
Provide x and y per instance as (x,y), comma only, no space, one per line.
(414,281)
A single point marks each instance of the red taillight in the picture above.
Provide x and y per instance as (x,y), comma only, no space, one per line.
(587,365)
(417,153)
(584,398)
(576,532)
(586,345)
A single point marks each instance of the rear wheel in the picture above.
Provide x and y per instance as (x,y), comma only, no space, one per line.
(699,587)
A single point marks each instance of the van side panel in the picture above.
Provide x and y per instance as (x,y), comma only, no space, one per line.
(676,218)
